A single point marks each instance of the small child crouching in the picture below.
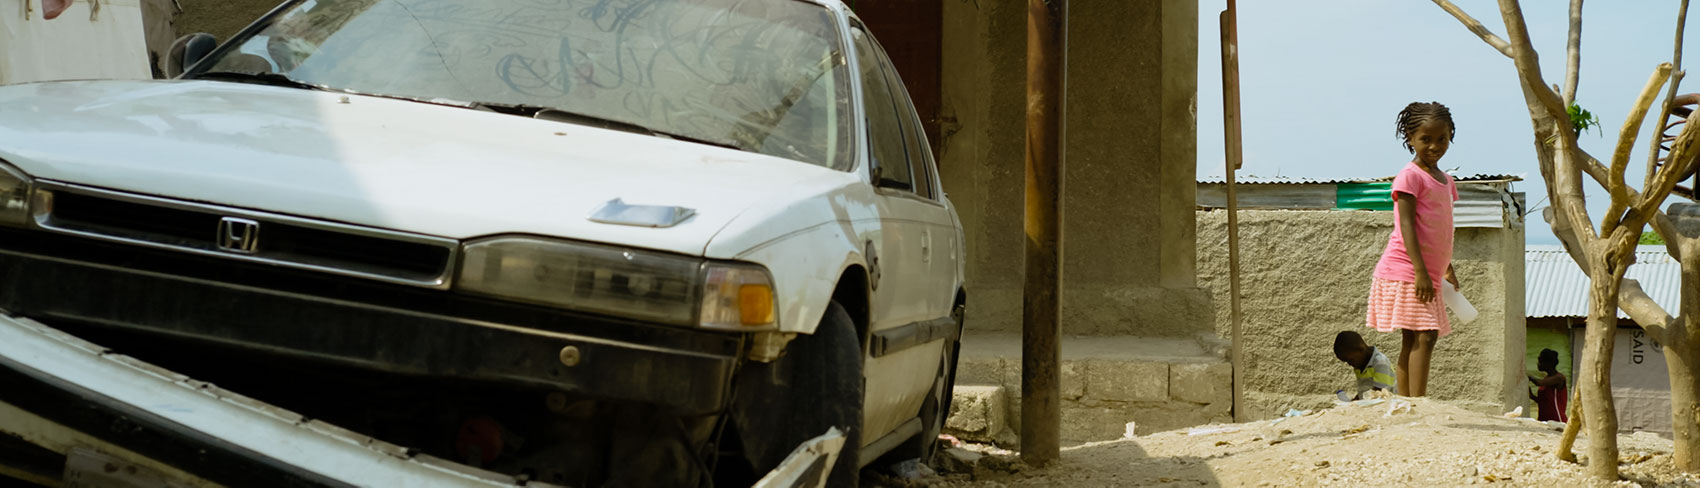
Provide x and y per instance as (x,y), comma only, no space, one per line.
(1372,369)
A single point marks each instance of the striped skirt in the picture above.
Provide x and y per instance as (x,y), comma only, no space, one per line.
(1394,305)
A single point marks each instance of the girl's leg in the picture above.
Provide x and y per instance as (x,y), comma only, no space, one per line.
(1420,360)
(1408,340)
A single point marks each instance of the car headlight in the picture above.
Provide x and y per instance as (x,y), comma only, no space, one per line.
(615,281)
(14,197)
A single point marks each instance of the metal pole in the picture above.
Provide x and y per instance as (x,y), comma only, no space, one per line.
(1231,139)
(1041,336)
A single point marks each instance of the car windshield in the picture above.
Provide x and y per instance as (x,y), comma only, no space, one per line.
(764,76)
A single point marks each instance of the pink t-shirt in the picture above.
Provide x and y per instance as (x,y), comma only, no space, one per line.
(1434,227)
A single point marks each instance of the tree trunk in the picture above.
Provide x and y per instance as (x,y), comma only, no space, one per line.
(1680,360)
(1595,381)
(1682,357)
(1568,439)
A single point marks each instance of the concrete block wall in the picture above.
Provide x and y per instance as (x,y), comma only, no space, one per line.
(1305,276)
(1100,396)
(1131,141)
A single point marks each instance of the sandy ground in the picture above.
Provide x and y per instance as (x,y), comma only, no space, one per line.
(1430,443)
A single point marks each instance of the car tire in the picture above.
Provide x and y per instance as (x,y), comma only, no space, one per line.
(815,385)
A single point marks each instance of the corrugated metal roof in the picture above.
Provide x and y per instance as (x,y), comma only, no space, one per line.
(1481,203)
(1276,180)
(1555,287)
(1267,197)
(1282,180)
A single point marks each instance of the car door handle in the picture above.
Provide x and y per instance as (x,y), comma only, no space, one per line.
(926,247)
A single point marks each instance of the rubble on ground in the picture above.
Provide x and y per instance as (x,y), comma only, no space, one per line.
(1374,442)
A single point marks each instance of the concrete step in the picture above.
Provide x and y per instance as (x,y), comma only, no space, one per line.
(1158,383)
(978,413)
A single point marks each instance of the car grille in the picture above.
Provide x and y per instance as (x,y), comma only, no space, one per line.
(263,237)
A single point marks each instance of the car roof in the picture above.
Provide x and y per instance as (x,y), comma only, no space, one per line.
(836,5)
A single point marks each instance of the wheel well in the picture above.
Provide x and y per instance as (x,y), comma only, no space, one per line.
(961,304)
(852,294)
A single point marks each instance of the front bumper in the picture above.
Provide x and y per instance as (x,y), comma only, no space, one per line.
(69,397)
(303,315)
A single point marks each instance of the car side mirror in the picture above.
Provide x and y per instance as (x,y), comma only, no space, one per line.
(187,51)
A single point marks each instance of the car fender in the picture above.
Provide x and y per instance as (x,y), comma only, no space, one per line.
(806,244)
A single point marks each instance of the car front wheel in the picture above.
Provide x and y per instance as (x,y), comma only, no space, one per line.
(814,386)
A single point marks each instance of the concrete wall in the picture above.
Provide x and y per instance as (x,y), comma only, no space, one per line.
(981,152)
(1130,140)
(1305,276)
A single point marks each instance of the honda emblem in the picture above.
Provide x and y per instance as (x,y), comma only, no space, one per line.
(238,235)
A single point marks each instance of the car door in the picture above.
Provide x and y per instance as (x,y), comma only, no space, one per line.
(902,356)
(939,247)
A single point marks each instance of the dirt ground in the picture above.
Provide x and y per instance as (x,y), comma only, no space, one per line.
(1430,443)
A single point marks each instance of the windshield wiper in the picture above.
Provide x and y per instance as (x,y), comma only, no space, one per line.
(558,115)
(699,140)
(272,79)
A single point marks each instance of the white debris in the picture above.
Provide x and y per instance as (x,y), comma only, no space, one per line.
(1213,429)
(1400,406)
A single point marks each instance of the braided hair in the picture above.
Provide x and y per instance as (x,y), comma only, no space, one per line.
(1418,113)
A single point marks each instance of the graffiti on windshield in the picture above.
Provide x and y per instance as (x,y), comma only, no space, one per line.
(763,76)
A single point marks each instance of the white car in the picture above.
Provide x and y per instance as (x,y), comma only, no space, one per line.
(586,241)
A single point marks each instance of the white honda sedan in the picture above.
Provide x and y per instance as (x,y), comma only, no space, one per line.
(603,242)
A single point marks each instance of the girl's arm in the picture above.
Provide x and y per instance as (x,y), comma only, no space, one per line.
(1407,206)
(1452,277)
(1551,381)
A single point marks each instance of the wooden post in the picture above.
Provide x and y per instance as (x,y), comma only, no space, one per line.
(1041,336)
(1231,141)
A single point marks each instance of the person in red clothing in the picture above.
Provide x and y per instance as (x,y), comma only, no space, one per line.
(1552,394)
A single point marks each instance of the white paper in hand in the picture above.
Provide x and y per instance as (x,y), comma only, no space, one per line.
(1457,303)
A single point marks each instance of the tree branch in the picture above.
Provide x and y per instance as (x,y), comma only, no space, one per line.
(1551,123)
(1573,52)
(1631,298)
(1675,242)
(1563,162)
(1529,65)
(1626,143)
(1476,27)
(1567,184)
(1661,222)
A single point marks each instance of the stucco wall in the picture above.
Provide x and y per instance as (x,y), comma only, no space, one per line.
(980,155)
(1305,276)
(1130,136)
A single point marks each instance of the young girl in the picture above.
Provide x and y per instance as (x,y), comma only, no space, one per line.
(1552,395)
(1419,252)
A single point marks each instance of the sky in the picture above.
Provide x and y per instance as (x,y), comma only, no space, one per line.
(1322,85)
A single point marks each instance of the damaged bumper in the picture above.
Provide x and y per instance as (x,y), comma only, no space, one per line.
(74,401)
(396,329)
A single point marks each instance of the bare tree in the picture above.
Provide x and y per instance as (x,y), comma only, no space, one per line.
(1606,253)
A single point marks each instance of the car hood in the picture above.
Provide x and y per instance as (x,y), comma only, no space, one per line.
(394,164)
